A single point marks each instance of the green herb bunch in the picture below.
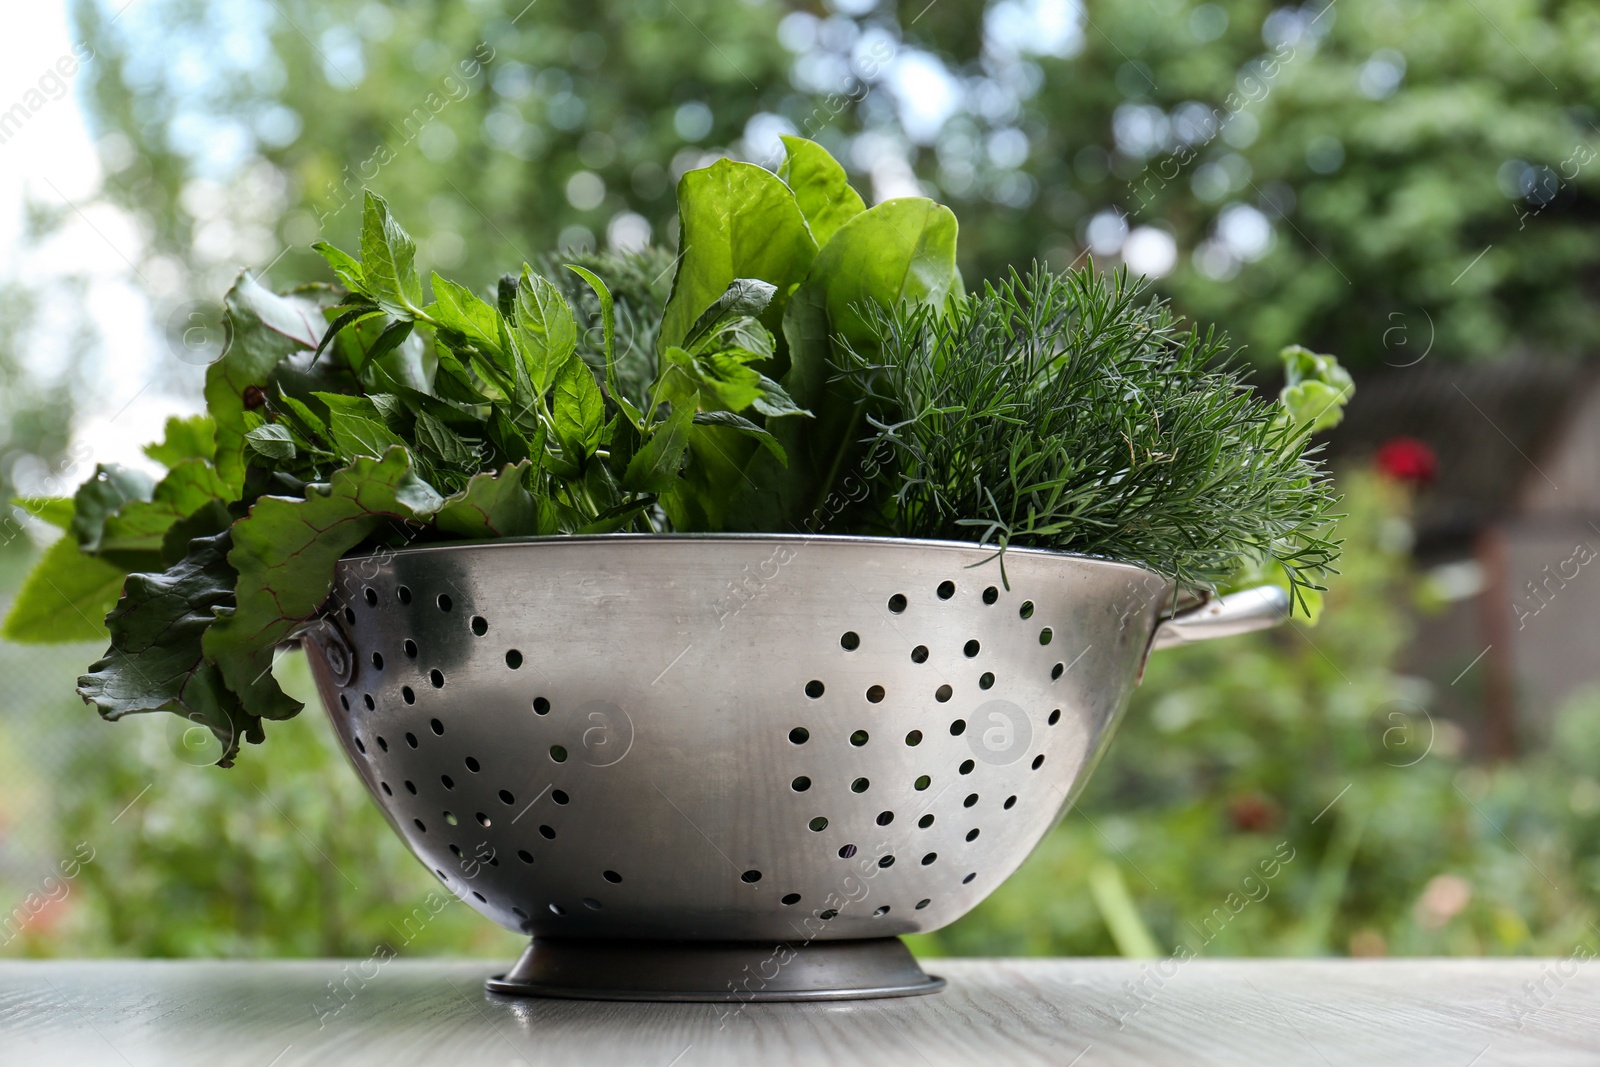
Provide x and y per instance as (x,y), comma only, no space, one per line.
(1074,412)
(802,338)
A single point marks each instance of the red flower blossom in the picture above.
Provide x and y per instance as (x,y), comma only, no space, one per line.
(1406,459)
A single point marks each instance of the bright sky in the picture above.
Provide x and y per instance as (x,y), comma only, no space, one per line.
(51,161)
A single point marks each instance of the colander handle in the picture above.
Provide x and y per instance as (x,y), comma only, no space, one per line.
(1237,613)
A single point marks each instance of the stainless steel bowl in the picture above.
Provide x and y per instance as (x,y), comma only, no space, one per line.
(666,757)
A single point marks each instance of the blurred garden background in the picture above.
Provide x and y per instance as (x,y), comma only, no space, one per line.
(1410,185)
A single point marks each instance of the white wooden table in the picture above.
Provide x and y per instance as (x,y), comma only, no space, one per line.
(1458,1013)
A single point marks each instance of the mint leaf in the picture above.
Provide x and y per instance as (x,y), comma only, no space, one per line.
(738,422)
(65,598)
(654,467)
(737,307)
(345,267)
(546,330)
(820,187)
(156,662)
(608,324)
(388,261)
(272,441)
(285,551)
(578,409)
(457,308)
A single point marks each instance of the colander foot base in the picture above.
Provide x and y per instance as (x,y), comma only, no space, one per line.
(738,971)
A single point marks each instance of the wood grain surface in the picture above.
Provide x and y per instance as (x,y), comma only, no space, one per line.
(1457,1013)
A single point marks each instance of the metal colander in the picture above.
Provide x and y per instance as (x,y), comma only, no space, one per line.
(688,740)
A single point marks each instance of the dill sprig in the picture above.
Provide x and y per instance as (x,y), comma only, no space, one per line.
(1073,411)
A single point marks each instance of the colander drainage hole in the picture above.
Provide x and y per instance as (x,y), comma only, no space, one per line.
(846,851)
(958,728)
(943,693)
(922,782)
(541,706)
(557,909)
(750,877)
(919,654)
(472,764)
(344,701)
(547,832)
(411,739)
(591,903)
(884,910)
(929,858)
(436,678)
(972,834)
(828,914)
(925,822)
(946,590)
(818,824)
(612,876)
(1010,803)
(483,820)
(860,785)
(410,788)
(800,784)
(519,913)
(513,659)
(966,767)
(1055,717)
(411,648)
(456,849)
(450,817)
(421,827)
(815,689)
(875,694)
(386,790)
(377,661)
(480,625)
(885,861)
(897,603)
(480,897)
(558,796)
(971,648)
(506,797)
(858,738)
(790,899)
(436,726)
(1045,635)
(990,595)
(382,743)
(885,818)
(442,876)
(449,783)
(986,680)
(408,694)
(1026,611)
(923,903)
(1057,671)
(799,735)
(972,798)
(444,602)
(404,594)
(370,595)
(968,879)
(350,616)
(914,738)
(558,753)
(366,698)
(524,855)
(361,746)
(850,641)
(1038,761)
